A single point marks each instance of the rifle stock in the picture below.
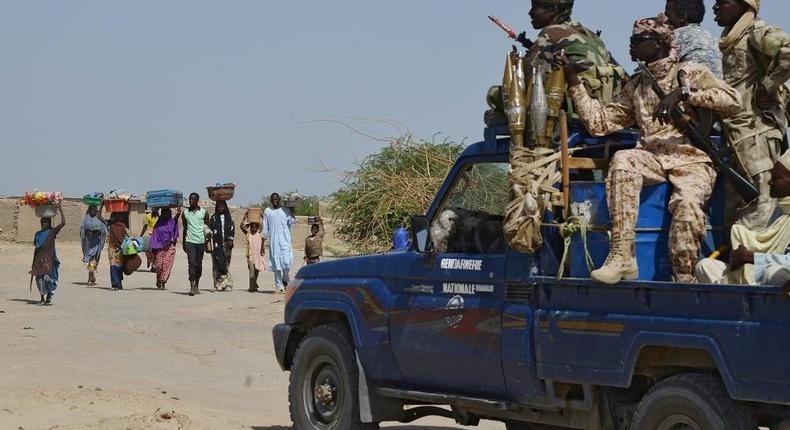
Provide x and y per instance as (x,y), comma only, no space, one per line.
(685,123)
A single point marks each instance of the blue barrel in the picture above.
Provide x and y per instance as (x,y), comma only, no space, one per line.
(652,229)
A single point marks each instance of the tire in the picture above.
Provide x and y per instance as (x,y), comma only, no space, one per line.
(691,402)
(325,365)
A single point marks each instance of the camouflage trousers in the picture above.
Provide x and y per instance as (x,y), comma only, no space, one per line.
(692,186)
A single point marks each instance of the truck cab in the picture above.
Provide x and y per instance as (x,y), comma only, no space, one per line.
(460,325)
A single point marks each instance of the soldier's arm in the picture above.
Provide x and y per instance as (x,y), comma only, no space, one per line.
(599,118)
(710,92)
(774,44)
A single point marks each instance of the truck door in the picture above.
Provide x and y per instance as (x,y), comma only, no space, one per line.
(445,326)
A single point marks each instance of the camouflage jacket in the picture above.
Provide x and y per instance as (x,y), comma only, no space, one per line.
(582,46)
(635,106)
(761,57)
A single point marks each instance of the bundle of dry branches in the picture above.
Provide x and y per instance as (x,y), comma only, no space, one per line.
(388,187)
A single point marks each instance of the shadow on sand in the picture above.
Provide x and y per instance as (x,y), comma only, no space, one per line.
(28,301)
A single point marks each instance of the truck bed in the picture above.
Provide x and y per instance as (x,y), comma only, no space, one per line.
(589,333)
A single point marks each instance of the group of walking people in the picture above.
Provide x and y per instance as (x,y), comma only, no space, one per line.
(199,233)
(740,77)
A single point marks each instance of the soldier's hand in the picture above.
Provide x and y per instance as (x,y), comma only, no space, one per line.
(664,109)
(561,61)
(741,256)
(524,40)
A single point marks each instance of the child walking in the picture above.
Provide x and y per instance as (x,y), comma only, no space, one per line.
(255,251)
(313,244)
(45,259)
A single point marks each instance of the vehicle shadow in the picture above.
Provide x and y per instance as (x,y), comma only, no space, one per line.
(404,427)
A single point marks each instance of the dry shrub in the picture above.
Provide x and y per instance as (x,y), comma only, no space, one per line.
(388,187)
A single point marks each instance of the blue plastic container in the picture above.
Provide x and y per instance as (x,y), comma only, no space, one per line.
(652,230)
(163,199)
(653,204)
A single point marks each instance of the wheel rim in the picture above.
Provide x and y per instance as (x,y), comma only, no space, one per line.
(322,392)
(678,422)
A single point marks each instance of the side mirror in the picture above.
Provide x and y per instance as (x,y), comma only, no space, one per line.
(421,234)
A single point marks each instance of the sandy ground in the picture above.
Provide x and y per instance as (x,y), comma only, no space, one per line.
(142,358)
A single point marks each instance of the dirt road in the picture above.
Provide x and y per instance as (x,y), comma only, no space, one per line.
(141,358)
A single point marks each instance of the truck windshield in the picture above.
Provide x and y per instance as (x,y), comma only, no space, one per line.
(481,187)
(470,220)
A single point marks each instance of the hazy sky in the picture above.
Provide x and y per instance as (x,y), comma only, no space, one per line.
(151,94)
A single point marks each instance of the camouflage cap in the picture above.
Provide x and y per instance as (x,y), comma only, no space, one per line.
(658,25)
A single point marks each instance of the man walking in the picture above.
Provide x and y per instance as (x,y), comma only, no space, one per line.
(277,225)
(195,220)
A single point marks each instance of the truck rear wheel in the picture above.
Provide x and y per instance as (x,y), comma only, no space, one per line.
(323,391)
(691,402)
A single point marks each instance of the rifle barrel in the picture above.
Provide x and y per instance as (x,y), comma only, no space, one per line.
(743,186)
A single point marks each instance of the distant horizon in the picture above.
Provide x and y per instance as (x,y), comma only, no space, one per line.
(149,95)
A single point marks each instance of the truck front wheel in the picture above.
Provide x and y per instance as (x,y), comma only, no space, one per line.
(691,402)
(323,391)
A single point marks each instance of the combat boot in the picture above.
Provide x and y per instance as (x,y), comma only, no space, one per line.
(620,264)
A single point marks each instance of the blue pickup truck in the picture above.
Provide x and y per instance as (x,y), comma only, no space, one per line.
(480,331)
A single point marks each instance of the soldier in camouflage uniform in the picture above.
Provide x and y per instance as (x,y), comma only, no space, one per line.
(664,154)
(598,70)
(756,63)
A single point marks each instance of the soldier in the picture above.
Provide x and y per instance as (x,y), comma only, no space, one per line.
(694,43)
(756,63)
(664,153)
(596,67)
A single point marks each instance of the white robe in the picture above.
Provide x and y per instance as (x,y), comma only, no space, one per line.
(277,225)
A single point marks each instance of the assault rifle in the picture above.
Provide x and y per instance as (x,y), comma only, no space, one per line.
(691,128)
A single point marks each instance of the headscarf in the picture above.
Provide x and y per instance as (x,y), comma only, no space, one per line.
(92,223)
(658,25)
(730,35)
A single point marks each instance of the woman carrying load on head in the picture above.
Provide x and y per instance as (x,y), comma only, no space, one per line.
(117,233)
(163,245)
(93,233)
(46,265)
(222,233)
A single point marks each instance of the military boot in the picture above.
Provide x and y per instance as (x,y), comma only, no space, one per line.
(193,289)
(620,264)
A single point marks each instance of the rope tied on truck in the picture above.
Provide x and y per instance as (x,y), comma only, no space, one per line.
(575,224)
(531,177)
